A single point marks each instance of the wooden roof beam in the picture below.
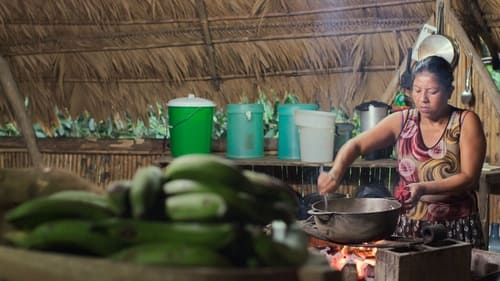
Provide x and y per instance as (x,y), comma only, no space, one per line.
(202,14)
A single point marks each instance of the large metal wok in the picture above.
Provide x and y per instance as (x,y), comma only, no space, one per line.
(356,220)
(439,44)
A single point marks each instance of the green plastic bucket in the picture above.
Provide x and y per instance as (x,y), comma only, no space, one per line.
(288,134)
(245,131)
(190,123)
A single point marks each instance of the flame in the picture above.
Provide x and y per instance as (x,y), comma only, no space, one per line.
(362,257)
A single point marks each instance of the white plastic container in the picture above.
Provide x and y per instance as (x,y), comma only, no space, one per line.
(316,135)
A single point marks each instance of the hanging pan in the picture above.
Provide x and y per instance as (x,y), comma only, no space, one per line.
(439,44)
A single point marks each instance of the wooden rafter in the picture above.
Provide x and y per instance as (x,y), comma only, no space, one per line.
(202,14)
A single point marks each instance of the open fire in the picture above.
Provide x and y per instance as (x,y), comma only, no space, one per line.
(444,260)
(395,259)
(338,256)
(363,258)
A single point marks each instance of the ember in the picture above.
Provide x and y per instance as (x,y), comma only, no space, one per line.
(362,257)
(397,258)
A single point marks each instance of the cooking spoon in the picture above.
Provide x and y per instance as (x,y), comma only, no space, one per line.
(467,93)
(325,196)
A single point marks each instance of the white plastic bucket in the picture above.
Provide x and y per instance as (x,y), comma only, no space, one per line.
(316,135)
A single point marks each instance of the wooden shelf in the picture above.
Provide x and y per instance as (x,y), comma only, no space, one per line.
(272,160)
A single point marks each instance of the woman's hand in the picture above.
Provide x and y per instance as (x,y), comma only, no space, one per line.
(327,183)
(415,190)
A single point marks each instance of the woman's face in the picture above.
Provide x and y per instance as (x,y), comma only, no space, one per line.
(429,97)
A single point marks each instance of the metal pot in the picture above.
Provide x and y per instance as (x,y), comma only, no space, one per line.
(305,203)
(370,113)
(356,220)
(439,44)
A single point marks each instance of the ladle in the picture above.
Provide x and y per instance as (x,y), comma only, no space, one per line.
(325,196)
(467,93)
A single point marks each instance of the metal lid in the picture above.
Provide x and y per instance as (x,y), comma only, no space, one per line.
(366,105)
(191,101)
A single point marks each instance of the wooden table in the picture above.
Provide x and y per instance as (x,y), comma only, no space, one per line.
(489,183)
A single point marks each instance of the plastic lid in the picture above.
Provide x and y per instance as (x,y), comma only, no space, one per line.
(191,101)
(243,107)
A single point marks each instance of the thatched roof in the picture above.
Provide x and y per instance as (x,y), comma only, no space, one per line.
(107,57)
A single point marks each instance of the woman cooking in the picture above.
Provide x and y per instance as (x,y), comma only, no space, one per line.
(440,151)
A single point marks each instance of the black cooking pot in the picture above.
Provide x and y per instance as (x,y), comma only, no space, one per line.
(373,190)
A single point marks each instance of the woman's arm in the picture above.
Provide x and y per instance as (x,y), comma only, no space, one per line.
(472,152)
(381,135)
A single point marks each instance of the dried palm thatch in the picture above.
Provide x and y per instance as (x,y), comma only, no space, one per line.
(481,19)
(109,57)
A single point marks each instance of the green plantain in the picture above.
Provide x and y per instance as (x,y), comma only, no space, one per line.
(197,206)
(61,205)
(118,194)
(206,168)
(172,254)
(242,206)
(73,236)
(180,186)
(146,196)
(132,231)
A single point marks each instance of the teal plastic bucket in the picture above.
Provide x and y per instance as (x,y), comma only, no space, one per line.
(288,134)
(245,131)
(190,124)
(343,133)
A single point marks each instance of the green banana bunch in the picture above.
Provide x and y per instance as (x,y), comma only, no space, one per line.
(249,196)
(75,236)
(206,168)
(195,213)
(118,194)
(146,196)
(60,205)
(172,254)
(132,231)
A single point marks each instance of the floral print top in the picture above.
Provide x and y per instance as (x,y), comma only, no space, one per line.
(417,162)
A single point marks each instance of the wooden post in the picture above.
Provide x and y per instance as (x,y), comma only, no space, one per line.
(14,98)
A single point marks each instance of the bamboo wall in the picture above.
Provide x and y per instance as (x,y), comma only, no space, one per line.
(486,100)
(100,168)
(104,161)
